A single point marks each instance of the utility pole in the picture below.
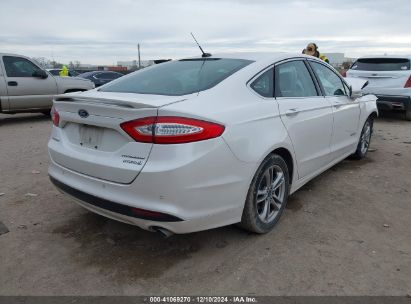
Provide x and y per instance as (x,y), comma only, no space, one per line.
(139,59)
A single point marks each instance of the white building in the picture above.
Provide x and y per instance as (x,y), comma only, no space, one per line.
(336,59)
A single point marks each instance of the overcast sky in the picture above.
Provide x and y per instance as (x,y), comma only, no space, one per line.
(101,31)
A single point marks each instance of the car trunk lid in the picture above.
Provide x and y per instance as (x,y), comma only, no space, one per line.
(90,140)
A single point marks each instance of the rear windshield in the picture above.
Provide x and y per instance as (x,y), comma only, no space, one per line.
(178,77)
(381,64)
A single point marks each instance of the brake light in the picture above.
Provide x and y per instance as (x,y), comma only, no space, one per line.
(171,130)
(408,83)
(55,117)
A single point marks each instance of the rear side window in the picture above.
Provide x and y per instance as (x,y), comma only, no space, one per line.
(177,78)
(292,79)
(19,67)
(263,85)
(330,81)
(381,64)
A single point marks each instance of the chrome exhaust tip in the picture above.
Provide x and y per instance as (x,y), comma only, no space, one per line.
(165,233)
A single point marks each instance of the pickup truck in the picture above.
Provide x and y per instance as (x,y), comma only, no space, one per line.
(25,87)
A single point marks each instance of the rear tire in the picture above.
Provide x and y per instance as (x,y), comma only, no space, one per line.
(267,196)
(365,139)
(408,114)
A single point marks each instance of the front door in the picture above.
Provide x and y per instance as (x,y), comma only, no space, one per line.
(306,114)
(24,90)
(346,111)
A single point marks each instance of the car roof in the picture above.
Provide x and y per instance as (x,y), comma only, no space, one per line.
(386,56)
(255,56)
(11,54)
(259,59)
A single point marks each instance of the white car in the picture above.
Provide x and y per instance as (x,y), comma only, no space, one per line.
(389,79)
(200,143)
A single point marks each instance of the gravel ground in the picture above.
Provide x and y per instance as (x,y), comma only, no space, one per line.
(347,232)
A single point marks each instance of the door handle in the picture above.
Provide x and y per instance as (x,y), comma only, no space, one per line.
(338,105)
(12,83)
(292,112)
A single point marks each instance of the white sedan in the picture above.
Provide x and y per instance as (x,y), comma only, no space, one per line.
(199,143)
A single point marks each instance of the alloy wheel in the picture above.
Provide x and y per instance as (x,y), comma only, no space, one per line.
(366,137)
(270,194)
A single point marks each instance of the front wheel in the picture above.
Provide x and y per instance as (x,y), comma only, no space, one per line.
(267,196)
(365,139)
(408,113)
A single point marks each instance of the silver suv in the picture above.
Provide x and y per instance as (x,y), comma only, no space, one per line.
(389,79)
(25,87)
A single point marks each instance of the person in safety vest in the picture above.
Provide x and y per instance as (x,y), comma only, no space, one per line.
(312,50)
(64,71)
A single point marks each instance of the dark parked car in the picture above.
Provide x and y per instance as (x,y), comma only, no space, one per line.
(100,77)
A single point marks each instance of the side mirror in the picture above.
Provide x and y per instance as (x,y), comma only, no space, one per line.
(354,94)
(40,74)
(356,86)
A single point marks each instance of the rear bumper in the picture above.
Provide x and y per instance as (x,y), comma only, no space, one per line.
(103,204)
(393,103)
(198,191)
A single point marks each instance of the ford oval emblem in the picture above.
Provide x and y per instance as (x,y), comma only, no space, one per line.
(83,113)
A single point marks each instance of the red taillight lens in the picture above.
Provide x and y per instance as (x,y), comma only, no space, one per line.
(408,83)
(55,117)
(171,130)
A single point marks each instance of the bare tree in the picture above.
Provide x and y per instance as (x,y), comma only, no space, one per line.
(43,62)
(56,65)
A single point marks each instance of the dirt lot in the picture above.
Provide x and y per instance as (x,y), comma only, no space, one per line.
(348,232)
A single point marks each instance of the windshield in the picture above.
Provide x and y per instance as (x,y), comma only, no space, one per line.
(177,78)
(381,64)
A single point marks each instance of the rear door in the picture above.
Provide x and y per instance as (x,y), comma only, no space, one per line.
(306,114)
(24,90)
(345,110)
(382,72)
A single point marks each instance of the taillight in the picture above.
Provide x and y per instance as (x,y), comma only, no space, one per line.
(408,83)
(55,117)
(171,130)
